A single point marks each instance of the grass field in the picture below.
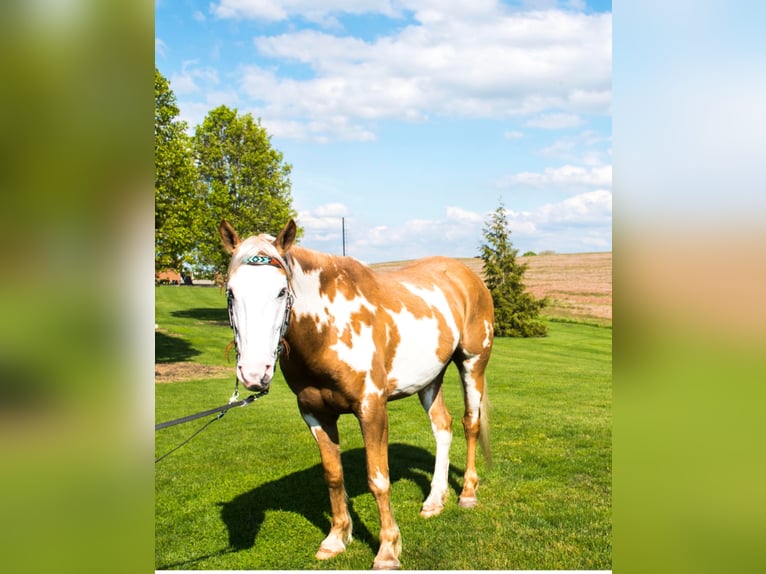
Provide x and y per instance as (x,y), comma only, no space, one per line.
(248,492)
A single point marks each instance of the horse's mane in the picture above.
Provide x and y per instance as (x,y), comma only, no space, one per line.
(307,259)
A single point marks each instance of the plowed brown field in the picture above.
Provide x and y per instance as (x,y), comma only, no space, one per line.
(578,285)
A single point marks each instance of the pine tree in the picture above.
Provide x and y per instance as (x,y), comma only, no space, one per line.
(516,311)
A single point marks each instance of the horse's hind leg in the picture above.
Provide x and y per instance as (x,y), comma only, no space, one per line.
(441,423)
(474,393)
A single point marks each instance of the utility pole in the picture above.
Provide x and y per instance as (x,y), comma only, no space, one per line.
(343,228)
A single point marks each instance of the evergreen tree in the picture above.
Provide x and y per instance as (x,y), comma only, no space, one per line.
(244,178)
(516,311)
(176,204)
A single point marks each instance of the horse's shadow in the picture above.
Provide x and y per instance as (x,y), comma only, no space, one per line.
(305,493)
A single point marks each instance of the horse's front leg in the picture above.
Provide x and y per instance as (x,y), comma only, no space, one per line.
(325,431)
(373,419)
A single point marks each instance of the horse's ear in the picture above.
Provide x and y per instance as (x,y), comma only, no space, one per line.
(286,237)
(229,236)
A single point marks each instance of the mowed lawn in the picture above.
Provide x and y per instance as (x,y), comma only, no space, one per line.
(248,492)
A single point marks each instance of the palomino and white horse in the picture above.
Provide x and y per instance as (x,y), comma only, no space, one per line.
(349,340)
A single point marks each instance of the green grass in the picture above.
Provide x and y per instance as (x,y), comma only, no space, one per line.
(248,492)
(193,325)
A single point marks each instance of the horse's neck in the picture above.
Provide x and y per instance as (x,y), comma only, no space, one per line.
(318,276)
(309,270)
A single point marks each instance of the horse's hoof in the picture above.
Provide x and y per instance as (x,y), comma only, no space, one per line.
(429,511)
(468,501)
(386,565)
(326,553)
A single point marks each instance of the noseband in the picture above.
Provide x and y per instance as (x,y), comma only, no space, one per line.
(273,262)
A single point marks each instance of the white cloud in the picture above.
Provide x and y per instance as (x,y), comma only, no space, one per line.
(555,121)
(187,81)
(513,135)
(589,207)
(450,58)
(587,148)
(322,226)
(462,215)
(566,176)
(314,10)
(160,47)
(578,223)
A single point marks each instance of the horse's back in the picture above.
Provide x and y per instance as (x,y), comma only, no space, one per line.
(469,300)
(444,272)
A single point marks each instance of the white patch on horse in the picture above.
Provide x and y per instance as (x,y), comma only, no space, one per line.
(436,299)
(439,484)
(308,297)
(370,389)
(359,353)
(416,362)
(488,331)
(380,481)
(472,395)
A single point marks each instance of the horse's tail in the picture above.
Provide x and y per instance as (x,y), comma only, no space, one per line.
(484,426)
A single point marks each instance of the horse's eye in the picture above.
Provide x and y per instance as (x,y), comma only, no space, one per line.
(283,292)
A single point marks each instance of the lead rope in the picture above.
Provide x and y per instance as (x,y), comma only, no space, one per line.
(233,402)
(195,433)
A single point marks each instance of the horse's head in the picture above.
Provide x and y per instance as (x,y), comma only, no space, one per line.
(260,299)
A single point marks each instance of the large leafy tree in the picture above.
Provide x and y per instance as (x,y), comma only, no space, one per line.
(245,181)
(516,310)
(176,201)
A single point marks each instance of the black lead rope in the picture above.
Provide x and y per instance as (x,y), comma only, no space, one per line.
(220,410)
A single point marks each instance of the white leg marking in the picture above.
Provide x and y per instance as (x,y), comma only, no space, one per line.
(488,337)
(434,504)
(473,396)
(381,482)
(333,545)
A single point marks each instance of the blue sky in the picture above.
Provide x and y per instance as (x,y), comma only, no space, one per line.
(412,119)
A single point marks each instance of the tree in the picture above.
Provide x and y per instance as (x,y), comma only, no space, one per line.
(245,181)
(176,203)
(516,311)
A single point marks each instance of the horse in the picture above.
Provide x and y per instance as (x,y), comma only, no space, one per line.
(348,340)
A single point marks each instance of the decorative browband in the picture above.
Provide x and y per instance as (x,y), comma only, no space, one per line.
(262,260)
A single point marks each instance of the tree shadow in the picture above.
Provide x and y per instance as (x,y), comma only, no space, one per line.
(209,314)
(305,493)
(169,349)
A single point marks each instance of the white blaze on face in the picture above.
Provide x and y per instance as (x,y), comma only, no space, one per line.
(258,308)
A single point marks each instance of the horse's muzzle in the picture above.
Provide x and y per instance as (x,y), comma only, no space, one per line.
(255,380)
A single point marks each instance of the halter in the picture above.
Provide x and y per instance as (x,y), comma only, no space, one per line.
(273,262)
